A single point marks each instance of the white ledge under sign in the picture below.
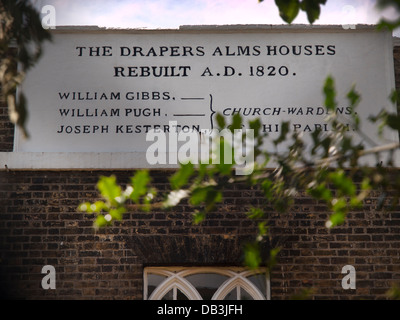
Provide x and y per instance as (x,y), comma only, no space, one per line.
(96,93)
(75,160)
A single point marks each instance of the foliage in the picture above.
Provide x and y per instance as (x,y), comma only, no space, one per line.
(384,23)
(332,174)
(113,206)
(394,293)
(21,38)
(289,9)
(328,170)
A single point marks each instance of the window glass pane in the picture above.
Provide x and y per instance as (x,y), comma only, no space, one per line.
(206,283)
(231,295)
(169,295)
(181,296)
(153,280)
(244,295)
(260,281)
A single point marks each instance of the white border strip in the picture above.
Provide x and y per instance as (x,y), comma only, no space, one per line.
(77,160)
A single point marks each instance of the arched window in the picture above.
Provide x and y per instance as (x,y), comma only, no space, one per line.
(205,283)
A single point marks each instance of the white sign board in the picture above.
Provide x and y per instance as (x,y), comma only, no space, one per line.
(101,91)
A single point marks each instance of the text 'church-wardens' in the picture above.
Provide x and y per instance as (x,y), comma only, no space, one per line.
(108,102)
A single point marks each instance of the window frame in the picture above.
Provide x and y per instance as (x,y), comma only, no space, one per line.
(175,279)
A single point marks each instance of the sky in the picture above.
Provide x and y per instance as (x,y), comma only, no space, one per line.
(166,14)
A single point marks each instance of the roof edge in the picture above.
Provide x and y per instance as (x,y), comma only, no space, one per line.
(223,28)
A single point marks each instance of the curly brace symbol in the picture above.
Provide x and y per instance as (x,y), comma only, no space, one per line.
(212,111)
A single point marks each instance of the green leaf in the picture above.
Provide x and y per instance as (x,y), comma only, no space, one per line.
(117,213)
(262,228)
(204,169)
(206,195)
(108,188)
(98,206)
(336,219)
(383,4)
(226,157)
(346,144)
(389,25)
(326,144)
(198,217)
(395,96)
(267,186)
(366,184)
(252,258)
(221,121)
(256,126)
(393,121)
(85,207)
(312,8)
(236,122)
(339,206)
(100,221)
(354,97)
(288,9)
(386,119)
(21,28)
(394,293)
(139,183)
(321,192)
(282,204)
(255,213)
(273,254)
(284,132)
(355,202)
(344,184)
(182,176)
(330,93)
(316,140)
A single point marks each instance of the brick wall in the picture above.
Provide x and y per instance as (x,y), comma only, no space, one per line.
(39,225)
(6,129)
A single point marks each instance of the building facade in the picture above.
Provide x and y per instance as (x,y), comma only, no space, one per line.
(40,225)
